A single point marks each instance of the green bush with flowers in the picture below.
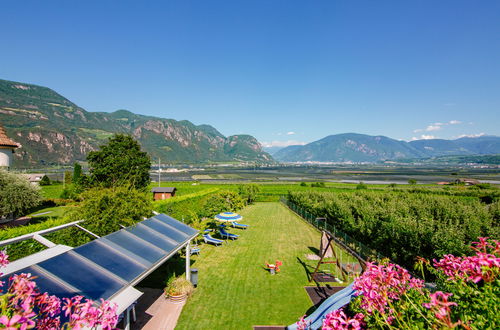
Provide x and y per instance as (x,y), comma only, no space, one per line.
(467,295)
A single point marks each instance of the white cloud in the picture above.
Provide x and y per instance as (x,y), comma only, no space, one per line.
(423,137)
(282,143)
(470,135)
(433,127)
(436,126)
(290,133)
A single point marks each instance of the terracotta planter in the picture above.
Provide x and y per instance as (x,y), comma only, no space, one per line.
(177,299)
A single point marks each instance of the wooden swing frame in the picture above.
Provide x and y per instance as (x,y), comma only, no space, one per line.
(329,244)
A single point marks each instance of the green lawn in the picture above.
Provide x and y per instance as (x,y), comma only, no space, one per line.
(52,191)
(49,212)
(235,291)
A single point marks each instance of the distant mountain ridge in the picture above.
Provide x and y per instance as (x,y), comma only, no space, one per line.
(54,130)
(353,147)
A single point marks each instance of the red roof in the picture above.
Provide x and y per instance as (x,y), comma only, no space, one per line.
(5,141)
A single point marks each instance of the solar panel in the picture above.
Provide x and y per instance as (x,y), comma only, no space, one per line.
(111,259)
(84,276)
(47,283)
(166,230)
(136,245)
(176,224)
(103,267)
(152,236)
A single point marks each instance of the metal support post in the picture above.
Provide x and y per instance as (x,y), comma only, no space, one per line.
(188,261)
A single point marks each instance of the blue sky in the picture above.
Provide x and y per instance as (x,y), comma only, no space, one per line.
(283,71)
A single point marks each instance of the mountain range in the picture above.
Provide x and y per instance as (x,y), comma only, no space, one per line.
(352,147)
(53,130)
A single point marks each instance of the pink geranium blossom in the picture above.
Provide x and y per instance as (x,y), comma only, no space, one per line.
(339,320)
(23,298)
(483,266)
(381,284)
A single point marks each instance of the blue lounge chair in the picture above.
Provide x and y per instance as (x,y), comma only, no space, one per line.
(224,233)
(209,239)
(239,225)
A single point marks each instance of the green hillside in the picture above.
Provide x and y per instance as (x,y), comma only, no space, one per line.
(53,130)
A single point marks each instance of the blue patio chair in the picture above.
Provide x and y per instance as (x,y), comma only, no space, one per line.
(239,225)
(224,233)
(194,249)
(209,239)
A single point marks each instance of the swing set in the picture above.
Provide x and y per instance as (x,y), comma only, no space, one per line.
(328,249)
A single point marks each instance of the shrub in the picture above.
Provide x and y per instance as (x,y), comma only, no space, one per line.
(361,185)
(249,192)
(224,201)
(17,195)
(104,210)
(45,181)
(24,248)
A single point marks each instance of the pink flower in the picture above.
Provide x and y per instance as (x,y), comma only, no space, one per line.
(302,324)
(441,306)
(483,266)
(339,320)
(23,299)
(381,284)
(11,323)
(4,258)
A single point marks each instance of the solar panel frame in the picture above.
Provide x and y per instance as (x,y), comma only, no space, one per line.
(85,271)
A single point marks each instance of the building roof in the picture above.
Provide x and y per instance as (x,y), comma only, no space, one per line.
(108,266)
(34,177)
(5,141)
(465,180)
(163,189)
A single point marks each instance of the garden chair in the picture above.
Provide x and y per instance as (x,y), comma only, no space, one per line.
(209,239)
(239,225)
(225,234)
(194,249)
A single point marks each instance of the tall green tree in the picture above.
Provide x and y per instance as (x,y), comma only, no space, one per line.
(77,173)
(68,177)
(17,194)
(120,162)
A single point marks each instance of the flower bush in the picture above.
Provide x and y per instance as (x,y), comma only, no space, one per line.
(23,306)
(387,296)
(177,286)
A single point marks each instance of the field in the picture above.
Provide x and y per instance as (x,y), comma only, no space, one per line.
(235,290)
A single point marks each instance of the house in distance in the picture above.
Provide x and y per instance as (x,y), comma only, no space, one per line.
(7,147)
(160,193)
